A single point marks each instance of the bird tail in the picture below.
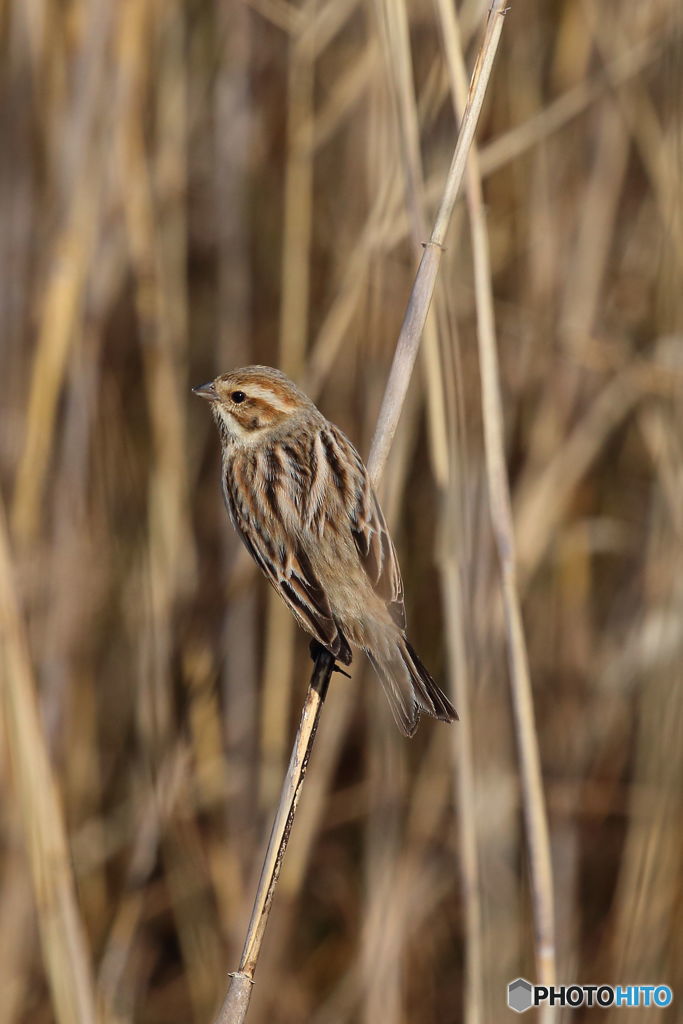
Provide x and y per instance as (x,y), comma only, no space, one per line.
(408,685)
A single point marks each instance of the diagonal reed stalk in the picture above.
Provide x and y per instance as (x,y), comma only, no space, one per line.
(236,1003)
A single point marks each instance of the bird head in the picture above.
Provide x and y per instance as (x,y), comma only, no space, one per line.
(250,402)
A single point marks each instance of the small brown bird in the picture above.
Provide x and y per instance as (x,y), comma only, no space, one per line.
(300,498)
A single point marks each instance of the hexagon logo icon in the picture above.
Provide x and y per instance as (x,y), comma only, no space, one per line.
(520,995)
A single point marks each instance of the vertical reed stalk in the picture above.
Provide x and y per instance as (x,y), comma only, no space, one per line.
(538,840)
(62,934)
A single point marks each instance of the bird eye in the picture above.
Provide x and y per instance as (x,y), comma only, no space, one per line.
(238,396)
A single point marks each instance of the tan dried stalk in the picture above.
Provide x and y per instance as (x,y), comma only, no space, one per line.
(236,1003)
(420,297)
(536,819)
(62,934)
(538,841)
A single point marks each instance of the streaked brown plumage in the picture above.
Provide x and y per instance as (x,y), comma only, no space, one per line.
(300,498)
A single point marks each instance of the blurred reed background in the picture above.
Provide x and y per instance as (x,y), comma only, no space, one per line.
(190,186)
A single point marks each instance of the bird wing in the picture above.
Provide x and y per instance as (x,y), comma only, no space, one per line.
(378,557)
(371,536)
(283,561)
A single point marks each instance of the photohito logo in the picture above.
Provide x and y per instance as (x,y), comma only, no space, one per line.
(522,995)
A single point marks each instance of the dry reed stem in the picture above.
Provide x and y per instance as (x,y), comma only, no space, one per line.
(435,334)
(499,492)
(538,839)
(463,754)
(421,294)
(66,284)
(535,814)
(67,959)
(236,1003)
(384,932)
(400,70)
(465,784)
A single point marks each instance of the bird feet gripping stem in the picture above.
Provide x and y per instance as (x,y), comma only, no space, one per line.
(315,648)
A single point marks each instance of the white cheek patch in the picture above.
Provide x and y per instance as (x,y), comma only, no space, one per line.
(235,429)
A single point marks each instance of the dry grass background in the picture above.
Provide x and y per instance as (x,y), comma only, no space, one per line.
(186,187)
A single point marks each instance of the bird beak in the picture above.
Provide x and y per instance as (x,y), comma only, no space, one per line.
(207,391)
